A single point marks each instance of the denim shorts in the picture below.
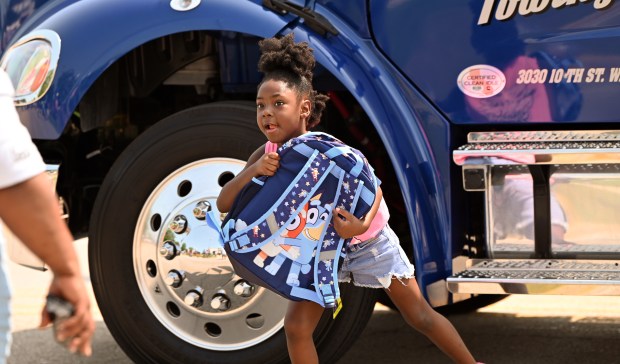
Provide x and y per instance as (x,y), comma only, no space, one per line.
(374,262)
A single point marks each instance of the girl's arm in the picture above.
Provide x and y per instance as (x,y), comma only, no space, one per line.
(259,164)
(351,226)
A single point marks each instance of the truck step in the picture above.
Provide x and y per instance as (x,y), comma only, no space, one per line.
(538,276)
(560,248)
(540,147)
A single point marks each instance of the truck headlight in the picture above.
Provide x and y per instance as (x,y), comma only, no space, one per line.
(31,64)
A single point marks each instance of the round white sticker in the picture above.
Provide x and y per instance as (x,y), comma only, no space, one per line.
(481,81)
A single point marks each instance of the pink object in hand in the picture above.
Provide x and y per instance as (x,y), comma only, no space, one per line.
(270,147)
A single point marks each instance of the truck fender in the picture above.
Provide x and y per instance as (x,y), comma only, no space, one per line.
(375,84)
(96,33)
(353,60)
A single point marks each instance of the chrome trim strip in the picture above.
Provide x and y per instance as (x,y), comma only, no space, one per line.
(543,136)
(595,283)
(536,156)
(582,265)
(53,39)
(579,288)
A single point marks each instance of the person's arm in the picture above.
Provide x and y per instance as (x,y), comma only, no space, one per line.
(30,210)
(259,164)
(349,226)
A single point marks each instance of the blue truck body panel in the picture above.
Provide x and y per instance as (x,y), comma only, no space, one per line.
(432,54)
(353,13)
(13,15)
(406,63)
(351,57)
(94,35)
(361,69)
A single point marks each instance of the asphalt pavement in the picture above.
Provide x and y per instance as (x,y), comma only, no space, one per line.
(518,329)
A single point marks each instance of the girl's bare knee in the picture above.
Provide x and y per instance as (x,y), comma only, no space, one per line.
(298,328)
(422,320)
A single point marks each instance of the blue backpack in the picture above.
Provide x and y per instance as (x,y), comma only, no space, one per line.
(279,232)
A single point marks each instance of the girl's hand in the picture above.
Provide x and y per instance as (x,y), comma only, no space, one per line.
(259,164)
(267,165)
(347,225)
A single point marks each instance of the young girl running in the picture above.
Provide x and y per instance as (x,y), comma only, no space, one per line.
(287,107)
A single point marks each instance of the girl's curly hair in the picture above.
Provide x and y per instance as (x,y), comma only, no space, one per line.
(284,60)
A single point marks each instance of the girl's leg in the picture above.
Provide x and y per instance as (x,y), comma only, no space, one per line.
(419,314)
(299,324)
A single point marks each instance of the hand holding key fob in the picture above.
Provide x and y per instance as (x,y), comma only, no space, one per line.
(59,310)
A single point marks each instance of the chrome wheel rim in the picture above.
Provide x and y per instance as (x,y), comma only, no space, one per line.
(183,273)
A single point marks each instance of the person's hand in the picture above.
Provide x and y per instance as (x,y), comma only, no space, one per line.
(347,225)
(267,165)
(80,327)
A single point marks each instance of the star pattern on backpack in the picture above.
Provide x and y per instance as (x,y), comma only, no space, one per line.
(299,241)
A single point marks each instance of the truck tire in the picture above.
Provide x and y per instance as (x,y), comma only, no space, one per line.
(166,293)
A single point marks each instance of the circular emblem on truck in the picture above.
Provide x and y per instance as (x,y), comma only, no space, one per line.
(481,81)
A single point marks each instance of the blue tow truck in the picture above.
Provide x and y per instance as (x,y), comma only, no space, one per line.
(492,124)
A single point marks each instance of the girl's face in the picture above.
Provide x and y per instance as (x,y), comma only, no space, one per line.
(280,114)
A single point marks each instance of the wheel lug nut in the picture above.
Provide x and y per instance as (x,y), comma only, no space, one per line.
(179,224)
(243,289)
(194,297)
(175,278)
(169,250)
(201,209)
(220,302)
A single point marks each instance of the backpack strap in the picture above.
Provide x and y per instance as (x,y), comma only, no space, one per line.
(303,149)
(336,151)
(326,265)
(341,244)
(366,194)
(324,287)
(305,294)
(329,298)
(213,221)
(323,294)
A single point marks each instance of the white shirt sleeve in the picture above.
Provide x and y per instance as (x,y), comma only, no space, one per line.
(19,158)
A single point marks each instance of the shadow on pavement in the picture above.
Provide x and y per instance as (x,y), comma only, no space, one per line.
(492,338)
(33,346)
(504,338)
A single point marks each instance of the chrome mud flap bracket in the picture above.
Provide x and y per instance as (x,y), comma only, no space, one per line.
(17,251)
